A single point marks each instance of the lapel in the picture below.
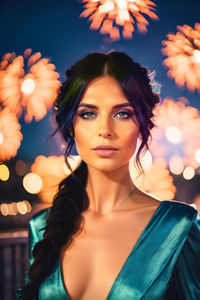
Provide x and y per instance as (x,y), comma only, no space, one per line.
(155,253)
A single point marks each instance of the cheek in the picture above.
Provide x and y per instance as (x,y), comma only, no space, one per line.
(129,142)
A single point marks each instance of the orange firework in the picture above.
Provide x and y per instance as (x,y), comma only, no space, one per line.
(155,181)
(32,86)
(107,14)
(183,51)
(10,135)
(176,135)
(52,170)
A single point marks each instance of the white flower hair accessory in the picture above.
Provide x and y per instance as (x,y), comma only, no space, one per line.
(155,85)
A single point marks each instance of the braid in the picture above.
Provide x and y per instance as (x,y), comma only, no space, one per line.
(63,222)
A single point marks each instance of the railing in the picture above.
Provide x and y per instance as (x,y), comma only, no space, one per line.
(13,262)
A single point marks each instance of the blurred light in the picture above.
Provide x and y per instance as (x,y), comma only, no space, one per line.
(106,7)
(183,56)
(108,14)
(161,161)
(28,86)
(22,208)
(1,138)
(176,164)
(20,167)
(197,155)
(196,54)
(32,183)
(28,205)
(146,160)
(74,161)
(4,209)
(13,208)
(122,4)
(188,173)
(173,134)
(4,172)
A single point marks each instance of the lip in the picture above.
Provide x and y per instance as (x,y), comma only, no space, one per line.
(105,147)
(105,152)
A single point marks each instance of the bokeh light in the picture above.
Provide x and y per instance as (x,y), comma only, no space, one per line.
(4,209)
(197,56)
(197,155)
(188,173)
(53,170)
(28,86)
(32,183)
(146,160)
(20,167)
(22,208)
(176,164)
(4,172)
(1,138)
(173,134)
(14,208)
(176,132)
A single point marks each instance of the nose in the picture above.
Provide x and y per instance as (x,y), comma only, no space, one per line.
(104,133)
(105,127)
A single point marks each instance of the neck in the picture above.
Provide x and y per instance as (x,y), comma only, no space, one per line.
(107,191)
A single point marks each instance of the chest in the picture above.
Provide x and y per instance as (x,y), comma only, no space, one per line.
(92,262)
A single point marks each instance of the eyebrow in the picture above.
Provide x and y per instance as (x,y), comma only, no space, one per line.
(115,106)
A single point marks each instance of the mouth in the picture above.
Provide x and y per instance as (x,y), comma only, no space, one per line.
(105,152)
(104,147)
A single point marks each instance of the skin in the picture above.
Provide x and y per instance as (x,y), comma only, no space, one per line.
(110,230)
(107,125)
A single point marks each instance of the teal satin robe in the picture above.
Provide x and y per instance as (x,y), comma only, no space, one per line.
(164,264)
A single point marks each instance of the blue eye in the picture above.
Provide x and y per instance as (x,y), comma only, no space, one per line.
(87,114)
(124,112)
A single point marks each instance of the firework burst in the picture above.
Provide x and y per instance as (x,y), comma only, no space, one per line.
(108,14)
(10,135)
(183,51)
(176,135)
(28,83)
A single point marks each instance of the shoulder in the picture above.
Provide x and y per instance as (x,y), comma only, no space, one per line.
(182,207)
(187,214)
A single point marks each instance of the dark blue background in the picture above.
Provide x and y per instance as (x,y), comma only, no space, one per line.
(55,29)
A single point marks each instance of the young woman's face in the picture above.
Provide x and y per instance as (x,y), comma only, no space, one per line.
(99,122)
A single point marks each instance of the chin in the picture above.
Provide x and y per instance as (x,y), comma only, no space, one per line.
(107,165)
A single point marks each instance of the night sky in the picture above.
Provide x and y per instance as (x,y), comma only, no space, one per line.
(55,29)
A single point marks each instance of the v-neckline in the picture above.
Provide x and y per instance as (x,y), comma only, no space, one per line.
(133,250)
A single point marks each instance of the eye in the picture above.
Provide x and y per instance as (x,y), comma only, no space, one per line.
(124,114)
(86,114)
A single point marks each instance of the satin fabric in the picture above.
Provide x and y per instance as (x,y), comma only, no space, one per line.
(164,263)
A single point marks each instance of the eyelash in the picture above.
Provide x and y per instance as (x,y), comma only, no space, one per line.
(82,114)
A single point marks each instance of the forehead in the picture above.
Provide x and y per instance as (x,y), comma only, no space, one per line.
(102,89)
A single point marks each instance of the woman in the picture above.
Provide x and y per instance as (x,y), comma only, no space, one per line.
(103,238)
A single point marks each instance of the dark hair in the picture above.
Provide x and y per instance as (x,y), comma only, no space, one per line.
(71,199)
